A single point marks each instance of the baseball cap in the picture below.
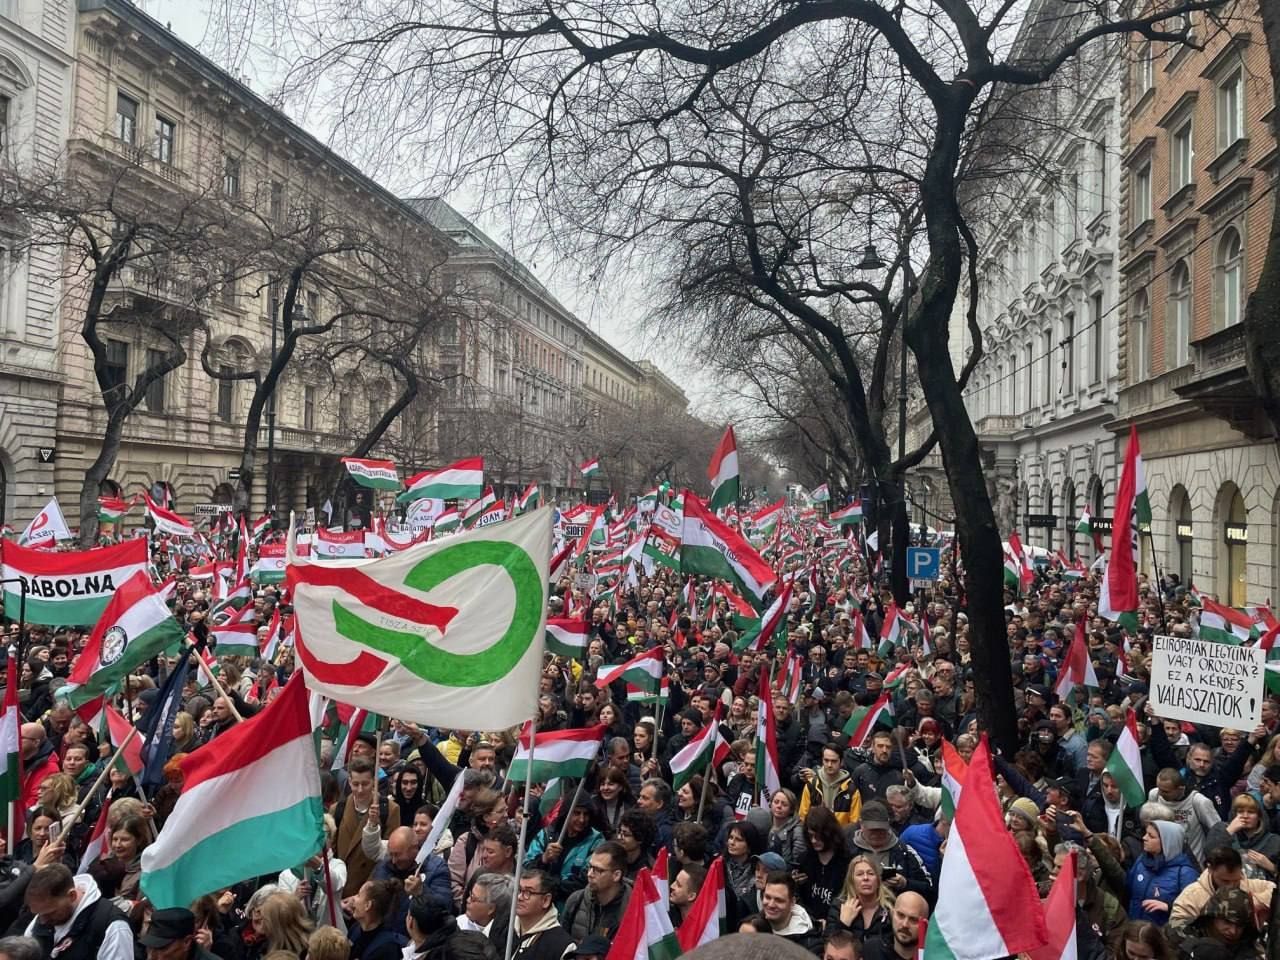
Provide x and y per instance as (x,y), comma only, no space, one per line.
(875,816)
(770,860)
(167,926)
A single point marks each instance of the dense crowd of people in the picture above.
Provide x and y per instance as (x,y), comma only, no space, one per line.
(843,859)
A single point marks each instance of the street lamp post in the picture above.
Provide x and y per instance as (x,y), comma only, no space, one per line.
(298,315)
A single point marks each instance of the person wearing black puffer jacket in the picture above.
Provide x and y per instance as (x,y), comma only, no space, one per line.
(900,866)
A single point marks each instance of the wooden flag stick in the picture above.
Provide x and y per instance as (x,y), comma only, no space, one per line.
(74,816)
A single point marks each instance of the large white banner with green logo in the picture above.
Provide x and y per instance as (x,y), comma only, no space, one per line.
(447,633)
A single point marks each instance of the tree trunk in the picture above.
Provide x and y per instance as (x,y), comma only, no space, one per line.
(901,540)
(98,471)
(1262,312)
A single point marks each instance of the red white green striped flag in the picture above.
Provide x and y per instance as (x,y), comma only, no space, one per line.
(1060,916)
(1118,596)
(643,670)
(590,468)
(67,589)
(99,842)
(758,637)
(166,520)
(723,472)
(890,631)
(11,745)
(1077,668)
(567,637)
(707,745)
(987,902)
(712,548)
(707,918)
(111,509)
(528,499)
(1223,624)
(478,507)
(848,516)
(954,770)
(135,626)
(556,753)
(662,694)
(463,480)
(768,766)
(645,932)
(1125,763)
(375,474)
(863,720)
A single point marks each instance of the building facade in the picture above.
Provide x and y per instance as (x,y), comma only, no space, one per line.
(36,56)
(1199,175)
(153,116)
(1048,382)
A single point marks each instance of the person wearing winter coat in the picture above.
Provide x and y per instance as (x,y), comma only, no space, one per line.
(538,933)
(900,866)
(599,907)
(1224,869)
(1162,872)
(830,786)
(1247,832)
(565,859)
(786,830)
(1192,810)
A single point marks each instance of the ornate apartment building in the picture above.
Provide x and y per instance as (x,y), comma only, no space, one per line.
(1199,177)
(1048,382)
(36,57)
(152,116)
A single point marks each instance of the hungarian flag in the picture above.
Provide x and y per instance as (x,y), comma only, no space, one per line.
(352,722)
(476,508)
(166,520)
(135,626)
(528,499)
(821,493)
(494,513)
(47,527)
(758,637)
(561,564)
(590,468)
(766,520)
(11,744)
(99,843)
(67,589)
(637,694)
(463,480)
(1085,525)
(954,770)
(269,567)
(890,631)
(1119,594)
(864,720)
(567,637)
(705,746)
(723,472)
(643,670)
(987,901)
(1125,763)
(861,638)
(645,932)
(1017,571)
(709,914)
(375,474)
(448,521)
(1077,668)
(1225,624)
(710,547)
(340,545)
(111,509)
(259,779)
(260,526)
(555,753)
(768,766)
(848,516)
(450,633)
(238,639)
(792,677)
(120,733)
(1060,915)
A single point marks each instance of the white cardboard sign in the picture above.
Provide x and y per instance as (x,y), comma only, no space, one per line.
(1200,681)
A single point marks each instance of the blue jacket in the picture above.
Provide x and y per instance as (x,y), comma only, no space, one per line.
(571,871)
(435,887)
(1155,878)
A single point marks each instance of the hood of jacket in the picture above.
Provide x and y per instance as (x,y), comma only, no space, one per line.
(861,842)
(797,924)
(547,921)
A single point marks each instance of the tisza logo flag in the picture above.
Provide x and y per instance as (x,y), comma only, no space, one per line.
(67,589)
(712,548)
(449,632)
(46,528)
(376,474)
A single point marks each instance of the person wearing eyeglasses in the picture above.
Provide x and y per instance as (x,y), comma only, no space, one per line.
(539,935)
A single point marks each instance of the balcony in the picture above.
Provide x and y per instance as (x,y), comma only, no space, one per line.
(1219,382)
(297,440)
(997,427)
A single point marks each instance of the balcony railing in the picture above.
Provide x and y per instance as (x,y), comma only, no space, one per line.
(151,282)
(997,424)
(1220,351)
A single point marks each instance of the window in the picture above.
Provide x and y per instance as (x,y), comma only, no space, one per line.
(117,368)
(273,298)
(1140,339)
(1228,268)
(277,203)
(1144,74)
(1231,109)
(1046,370)
(344,411)
(313,304)
(1142,194)
(229,289)
(1178,337)
(1068,353)
(1073,203)
(1100,189)
(231,176)
(308,408)
(163,146)
(1181,157)
(226,395)
(4,124)
(126,118)
(1097,338)
(1029,366)
(155,391)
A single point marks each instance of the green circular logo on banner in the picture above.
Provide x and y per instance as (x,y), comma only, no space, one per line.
(441,667)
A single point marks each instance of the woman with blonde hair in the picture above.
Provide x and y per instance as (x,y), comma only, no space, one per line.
(284,924)
(327,943)
(58,793)
(185,736)
(864,902)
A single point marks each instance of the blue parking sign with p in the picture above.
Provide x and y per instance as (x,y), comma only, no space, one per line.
(923,563)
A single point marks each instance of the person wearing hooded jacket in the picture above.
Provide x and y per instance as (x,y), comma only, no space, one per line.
(71,912)
(900,866)
(830,786)
(1162,872)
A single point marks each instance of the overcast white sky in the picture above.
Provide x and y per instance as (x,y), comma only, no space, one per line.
(613,313)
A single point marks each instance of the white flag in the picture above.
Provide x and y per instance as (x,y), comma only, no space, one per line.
(442,818)
(48,525)
(328,511)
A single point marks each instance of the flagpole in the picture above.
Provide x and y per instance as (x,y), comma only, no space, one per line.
(706,776)
(328,885)
(73,817)
(520,841)
(573,802)
(218,687)
(1155,562)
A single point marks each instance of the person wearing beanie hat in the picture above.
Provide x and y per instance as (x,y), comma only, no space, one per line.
(1025,809)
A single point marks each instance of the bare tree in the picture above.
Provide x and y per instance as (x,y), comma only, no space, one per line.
(137,267)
